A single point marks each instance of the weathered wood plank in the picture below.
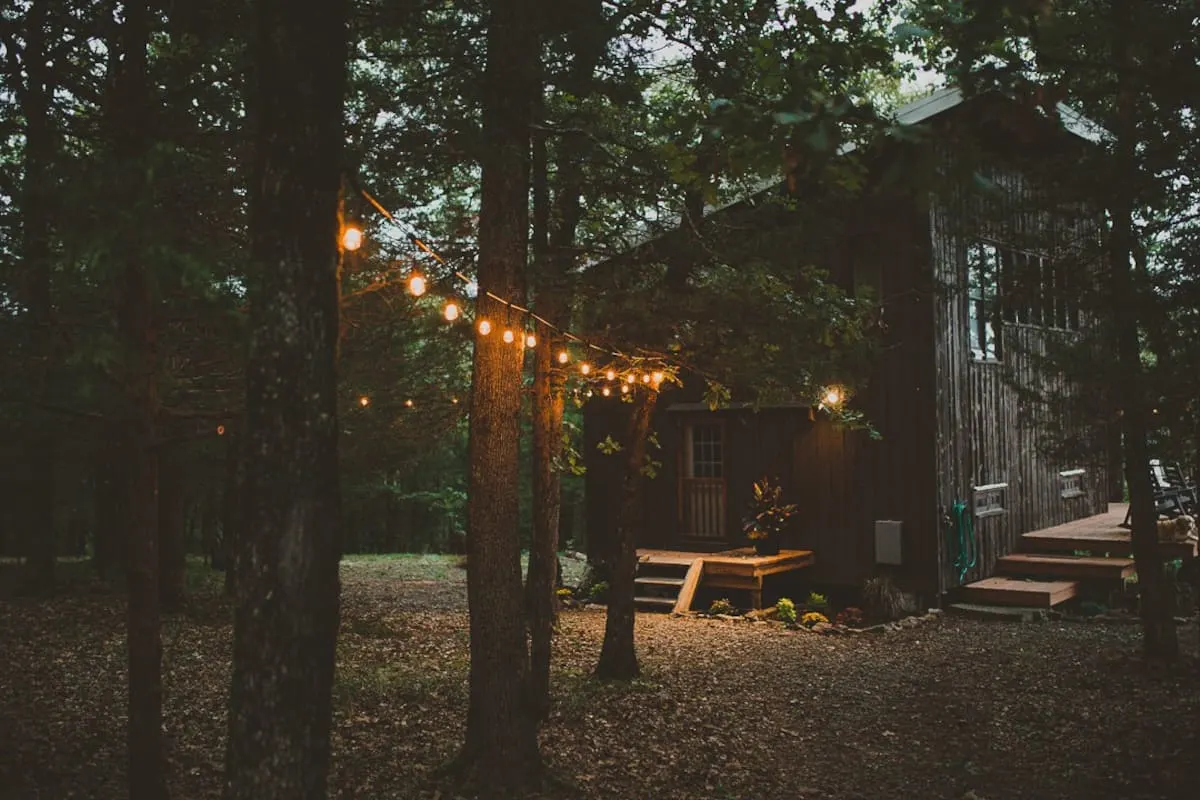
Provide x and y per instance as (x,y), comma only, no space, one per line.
(683,602)
(1006,591)
(1066,567)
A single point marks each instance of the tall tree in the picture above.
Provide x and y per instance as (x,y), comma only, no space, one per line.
(501,739)
(286,619)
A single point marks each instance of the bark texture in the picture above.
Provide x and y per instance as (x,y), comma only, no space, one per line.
(618,658)
(172,533)
(286,612)
(501,751)
(1158,624)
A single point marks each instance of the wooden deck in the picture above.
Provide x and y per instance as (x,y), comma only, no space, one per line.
(1099,534)
(740,569)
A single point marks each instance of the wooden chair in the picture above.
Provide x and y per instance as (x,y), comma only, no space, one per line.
(1174,495)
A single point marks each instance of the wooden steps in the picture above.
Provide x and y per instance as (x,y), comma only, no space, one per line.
(667,584)
(1010,592)
(656,580)
(1064,567)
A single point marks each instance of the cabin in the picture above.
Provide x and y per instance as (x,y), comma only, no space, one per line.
(978,266)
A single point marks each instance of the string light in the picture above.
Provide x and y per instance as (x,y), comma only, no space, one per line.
(588,393)
(451,311)
(220,430)
(610,374)
(563,357)
(630,379)
(364,401)
(645,378)
(485,327)
(657,377)
(833,396)
(624,388)
(585,368)
(454,400)
(509,338)
(416,285)
(408,403)
(606,391)
(531,341)
(352,237)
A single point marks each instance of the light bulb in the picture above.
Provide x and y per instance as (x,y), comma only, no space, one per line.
(630,379)
(451,312)
(585,368)
(485,327)
(563,357)
(531,341)
(220,430)
(610,374)
(408,403)
(624,388)
(588,393)
(606,391)
(832,396)
(416,285)
(352,237)
(454,400)
(364,401)
(509,338)
(658,377)
(645,379)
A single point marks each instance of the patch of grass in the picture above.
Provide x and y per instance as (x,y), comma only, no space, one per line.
(370,684)
(576,693)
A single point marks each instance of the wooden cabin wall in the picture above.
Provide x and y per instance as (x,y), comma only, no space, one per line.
(985,434)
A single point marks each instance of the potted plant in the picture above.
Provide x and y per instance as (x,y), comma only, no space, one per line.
(768,517)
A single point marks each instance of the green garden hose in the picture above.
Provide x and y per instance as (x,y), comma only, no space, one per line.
(962,531)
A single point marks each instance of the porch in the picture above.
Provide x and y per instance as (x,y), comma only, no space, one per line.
(1053,562)
(667,580)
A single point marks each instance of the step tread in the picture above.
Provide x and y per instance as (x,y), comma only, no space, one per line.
(1065,558)
(658,580)
(1066,566)
(665,602)
(1010,591)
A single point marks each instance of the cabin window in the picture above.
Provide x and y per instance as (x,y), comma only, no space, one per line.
(1071,483)
(983,294)
(702,484)
(989,500)
(1037,291)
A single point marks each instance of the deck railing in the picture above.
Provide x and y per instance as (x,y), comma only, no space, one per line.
(703,507)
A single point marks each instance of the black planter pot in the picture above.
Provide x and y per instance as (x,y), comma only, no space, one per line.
(767,547)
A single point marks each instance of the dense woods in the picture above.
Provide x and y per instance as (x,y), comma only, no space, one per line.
(199,366)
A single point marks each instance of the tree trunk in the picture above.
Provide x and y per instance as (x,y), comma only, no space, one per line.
(501,748)
(232,494)
(38,472)
(286,617)
(172,508)
(136,326)
(1158,625)
(618,658)
(109,505)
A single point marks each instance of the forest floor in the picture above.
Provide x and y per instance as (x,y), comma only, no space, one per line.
(949,709)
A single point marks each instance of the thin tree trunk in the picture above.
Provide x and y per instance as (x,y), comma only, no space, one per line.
(136,326)
(36,215)
(109,500)
(618,658)
(286,618)
(172,516)
(501,748)
(1158,625)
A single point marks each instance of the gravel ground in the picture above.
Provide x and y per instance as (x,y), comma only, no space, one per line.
(950,709)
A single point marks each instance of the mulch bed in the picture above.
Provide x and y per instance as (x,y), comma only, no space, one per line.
(724,710)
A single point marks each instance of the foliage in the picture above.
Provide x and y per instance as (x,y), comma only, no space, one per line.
(785,609)
(813,618)
(851,617)
(722,606)
(882,599)
(816,602)
(768,515)
(598,592)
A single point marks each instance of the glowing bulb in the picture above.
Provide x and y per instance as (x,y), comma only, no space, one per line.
(408,403)
(531,341)
(624,388)
(585,368)
(588,393)
(657,377)
(606,391)
(364,401)
(220,430)
(416,285)
(352,237)
(630,379)
(509,337)
(563,357)
(832,396)
(451,312)
(454,400)
(645,379)
(610,374)
(485,327)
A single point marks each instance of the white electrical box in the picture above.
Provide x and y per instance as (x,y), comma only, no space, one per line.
(887,541)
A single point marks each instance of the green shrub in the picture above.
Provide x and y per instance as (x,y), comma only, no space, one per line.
(785,609)
(811,619)
(722,606)
(817,602)
(598,592)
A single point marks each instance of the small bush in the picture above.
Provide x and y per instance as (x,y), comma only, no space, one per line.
(817,602)
(882,599)
(722,606)
(811,619)
(598,593)
(564,593)
(785,609)
(851,617)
